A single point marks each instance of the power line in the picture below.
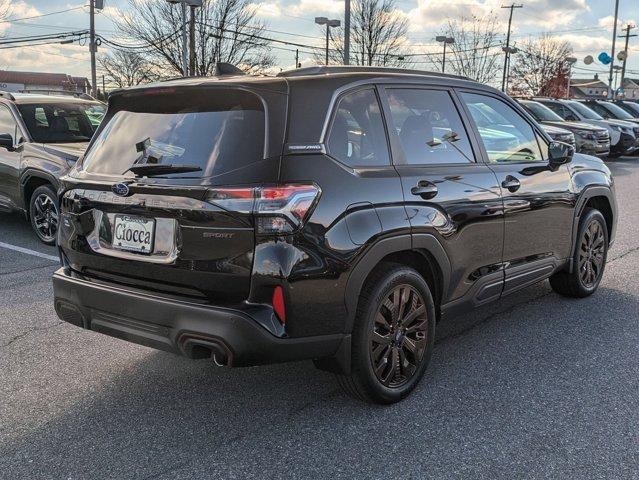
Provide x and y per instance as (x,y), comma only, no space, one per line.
(11,20)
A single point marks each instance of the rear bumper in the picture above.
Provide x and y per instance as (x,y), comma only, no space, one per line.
(184,328)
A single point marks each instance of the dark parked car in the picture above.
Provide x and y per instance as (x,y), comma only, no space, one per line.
(631,107)
(334,214)
(610,110)
(41,137)
(624,136)
(589,139)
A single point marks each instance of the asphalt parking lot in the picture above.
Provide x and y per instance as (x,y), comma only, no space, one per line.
(535,386)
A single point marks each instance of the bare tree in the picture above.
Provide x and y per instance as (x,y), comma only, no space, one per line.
(473,54)
(226,31)
(378,36)
(127,68)
(540,65)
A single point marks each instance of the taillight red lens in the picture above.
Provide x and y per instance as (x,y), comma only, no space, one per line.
(278,304)
(279,209)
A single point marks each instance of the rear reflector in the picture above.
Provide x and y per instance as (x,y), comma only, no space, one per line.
(278,304)
(279,209)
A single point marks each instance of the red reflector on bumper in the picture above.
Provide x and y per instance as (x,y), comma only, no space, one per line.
(278,304)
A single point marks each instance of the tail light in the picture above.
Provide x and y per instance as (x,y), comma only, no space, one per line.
(278,209)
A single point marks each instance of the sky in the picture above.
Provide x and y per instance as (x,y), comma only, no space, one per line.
(585,24)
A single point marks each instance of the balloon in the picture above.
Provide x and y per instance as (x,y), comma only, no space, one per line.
(604,58)
(622,55)
(588,60)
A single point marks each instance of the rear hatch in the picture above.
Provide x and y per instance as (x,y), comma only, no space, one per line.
(181,221)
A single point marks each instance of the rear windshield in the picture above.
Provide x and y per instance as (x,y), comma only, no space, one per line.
(62,122)
(217,130)
(541,112)
(587,113)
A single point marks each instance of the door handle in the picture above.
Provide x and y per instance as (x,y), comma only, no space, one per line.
(425,189)
(511,184)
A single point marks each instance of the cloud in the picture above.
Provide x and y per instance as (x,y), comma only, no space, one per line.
(265,9)
(71,59)
(19,9)
(308,7)
(609,21)
(545,14)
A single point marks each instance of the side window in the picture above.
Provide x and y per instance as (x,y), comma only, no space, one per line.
(429,127)
(357,135)
(508,137)
(8,125)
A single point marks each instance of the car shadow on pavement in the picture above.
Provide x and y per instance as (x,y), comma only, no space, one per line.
(522,371)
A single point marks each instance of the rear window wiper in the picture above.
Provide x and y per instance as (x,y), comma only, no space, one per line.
(154,169)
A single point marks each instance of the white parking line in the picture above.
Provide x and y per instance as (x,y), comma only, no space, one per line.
(28,252)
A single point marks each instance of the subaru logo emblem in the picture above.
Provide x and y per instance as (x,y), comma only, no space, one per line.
(121,189)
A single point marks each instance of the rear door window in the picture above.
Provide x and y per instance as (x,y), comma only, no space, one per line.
(357,136)
(429,126)
(218,131)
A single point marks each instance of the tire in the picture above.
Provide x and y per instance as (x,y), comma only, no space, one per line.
(406,340)
(44,212)
(589,260)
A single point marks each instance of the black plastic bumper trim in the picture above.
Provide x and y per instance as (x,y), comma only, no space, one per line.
(162,323)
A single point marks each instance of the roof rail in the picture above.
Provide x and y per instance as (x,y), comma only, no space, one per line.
(71,93)
(7,95)
(324,70)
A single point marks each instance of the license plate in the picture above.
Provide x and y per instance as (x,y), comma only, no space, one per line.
(134,234)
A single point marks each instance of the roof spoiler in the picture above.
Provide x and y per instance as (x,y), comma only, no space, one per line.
(222,69)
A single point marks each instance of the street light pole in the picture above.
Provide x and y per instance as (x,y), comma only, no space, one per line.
(329,24)
(570,61)
(92,46)
(185,42)
(506,49)
(445,40)
(347,32)
(611,93)
(185,56)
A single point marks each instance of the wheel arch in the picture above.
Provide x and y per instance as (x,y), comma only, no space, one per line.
(601,198)
(32,179)
(422,252)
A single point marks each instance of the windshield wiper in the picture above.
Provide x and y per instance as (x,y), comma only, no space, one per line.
(154,169)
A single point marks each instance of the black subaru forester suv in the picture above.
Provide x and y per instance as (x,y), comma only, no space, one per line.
(330,213)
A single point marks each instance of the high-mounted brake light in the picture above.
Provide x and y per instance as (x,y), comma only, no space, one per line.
(279,209)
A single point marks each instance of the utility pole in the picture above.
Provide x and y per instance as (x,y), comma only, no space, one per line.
(611,93)
(512,7)
(192,42)
(347,32)
(104,95)
(297,58)
(93,47)
(625,59)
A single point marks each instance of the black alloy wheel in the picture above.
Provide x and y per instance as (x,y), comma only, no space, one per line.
(393,335)
(592,253)
(399,336)
(45,214)
(589,258)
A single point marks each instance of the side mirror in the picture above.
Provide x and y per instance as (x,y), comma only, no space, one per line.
(6,141)
(560,153)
